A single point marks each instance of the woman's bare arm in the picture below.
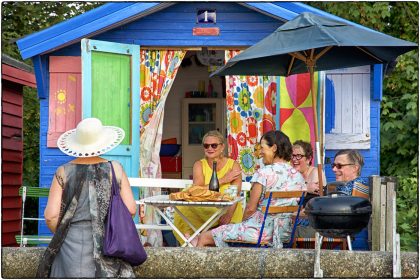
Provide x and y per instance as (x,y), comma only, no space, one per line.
(252,204)
(52,210)
(198,176)
(126,193)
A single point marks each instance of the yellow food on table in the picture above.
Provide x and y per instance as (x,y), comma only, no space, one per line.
(199,194)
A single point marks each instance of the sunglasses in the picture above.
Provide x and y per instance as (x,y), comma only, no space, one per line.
(214,145)
(339,166)
(298,156)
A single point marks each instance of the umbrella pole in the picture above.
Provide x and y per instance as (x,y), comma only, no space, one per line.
(311,67)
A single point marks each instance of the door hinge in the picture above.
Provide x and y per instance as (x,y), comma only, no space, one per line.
(87,46)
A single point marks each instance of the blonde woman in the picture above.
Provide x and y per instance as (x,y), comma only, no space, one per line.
(228,172)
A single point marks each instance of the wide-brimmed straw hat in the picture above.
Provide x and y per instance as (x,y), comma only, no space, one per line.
(90,138)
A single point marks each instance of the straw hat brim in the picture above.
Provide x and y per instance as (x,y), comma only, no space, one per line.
(109,138)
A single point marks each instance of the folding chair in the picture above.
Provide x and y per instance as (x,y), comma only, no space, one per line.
(21,239)
(328,243)
(275,210)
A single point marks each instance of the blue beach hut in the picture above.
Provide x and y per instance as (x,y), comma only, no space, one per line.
(116,33)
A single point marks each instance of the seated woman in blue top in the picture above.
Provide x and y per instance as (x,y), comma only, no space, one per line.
(347,168)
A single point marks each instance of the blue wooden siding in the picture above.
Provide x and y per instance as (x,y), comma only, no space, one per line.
(173,26)
(50,159)
(371,156)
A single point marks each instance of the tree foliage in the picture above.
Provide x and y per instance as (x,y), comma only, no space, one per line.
(20,19)
(399,107)
(23,18)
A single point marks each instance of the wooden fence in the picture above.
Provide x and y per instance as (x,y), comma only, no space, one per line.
(382,227)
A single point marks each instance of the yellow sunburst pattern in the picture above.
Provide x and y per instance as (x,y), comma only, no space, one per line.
(61,96)
(71,78)
(71,107)
(60,111)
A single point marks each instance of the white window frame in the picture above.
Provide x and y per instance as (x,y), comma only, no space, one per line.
(352,108)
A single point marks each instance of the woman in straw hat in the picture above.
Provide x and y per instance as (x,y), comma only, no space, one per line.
(78,204)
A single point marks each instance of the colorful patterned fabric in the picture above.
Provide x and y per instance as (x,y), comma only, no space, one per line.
(277,229)
(357,187)
(296,112)
(251,106)
(157,74)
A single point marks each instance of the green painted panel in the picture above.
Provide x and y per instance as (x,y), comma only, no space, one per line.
(111,90)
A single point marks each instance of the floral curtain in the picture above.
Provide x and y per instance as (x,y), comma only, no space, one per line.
(251,108)
(158,69)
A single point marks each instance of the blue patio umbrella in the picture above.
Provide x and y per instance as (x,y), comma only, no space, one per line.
(311,43)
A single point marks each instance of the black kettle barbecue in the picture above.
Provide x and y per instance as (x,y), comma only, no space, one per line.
(338,215)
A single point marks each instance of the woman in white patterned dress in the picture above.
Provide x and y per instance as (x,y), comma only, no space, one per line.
(276,175)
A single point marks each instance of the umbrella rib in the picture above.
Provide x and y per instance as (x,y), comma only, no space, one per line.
(312,54)
(321,53)
(298,56)
(290,65)
(368,53)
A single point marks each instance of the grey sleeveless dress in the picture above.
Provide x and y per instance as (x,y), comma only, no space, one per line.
(75,250)
(75,258)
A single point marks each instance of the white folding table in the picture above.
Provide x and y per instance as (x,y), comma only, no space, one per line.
(160,202)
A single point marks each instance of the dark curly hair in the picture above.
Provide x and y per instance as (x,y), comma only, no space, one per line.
(307,149)
(281,140)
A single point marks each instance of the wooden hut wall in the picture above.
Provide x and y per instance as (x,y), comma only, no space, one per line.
(173,26)
(372,154)
(12,160)
(13,80)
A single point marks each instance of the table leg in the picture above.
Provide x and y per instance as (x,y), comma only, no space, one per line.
(206,225)
(172,226)
(184,218)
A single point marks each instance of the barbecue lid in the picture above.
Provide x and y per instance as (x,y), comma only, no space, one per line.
(338,204)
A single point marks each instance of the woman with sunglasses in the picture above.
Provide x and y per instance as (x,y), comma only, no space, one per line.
(276,175)
(347,168)
(302,161)
(228,172)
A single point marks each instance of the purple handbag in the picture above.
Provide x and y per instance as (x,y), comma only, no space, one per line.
(121,239)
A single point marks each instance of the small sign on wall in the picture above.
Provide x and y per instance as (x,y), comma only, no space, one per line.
(206,16)
(206,31)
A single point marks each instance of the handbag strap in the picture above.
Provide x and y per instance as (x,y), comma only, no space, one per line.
(115,188)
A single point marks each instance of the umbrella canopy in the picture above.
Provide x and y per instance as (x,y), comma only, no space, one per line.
(332,44)
(311,43)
